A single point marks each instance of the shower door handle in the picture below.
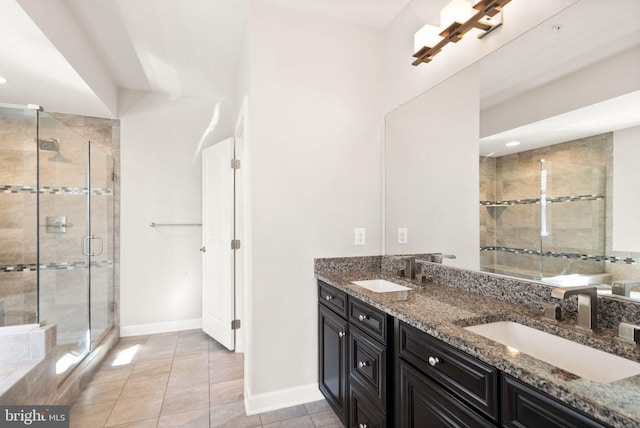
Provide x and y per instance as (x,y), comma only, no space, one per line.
(87,249)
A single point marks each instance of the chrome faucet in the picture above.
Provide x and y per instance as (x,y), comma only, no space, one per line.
(587,303)
(410,267)
(623,288)
(437,257)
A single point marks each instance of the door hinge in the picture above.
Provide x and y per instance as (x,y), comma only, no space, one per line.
(114,306)
(235,244)
(235,163)
(235,324)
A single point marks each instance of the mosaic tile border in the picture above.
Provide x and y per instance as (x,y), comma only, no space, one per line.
(548,200)
(30,267)
(56,190)
(571,256)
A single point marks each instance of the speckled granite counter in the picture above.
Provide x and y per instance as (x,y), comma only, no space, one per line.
(442,311)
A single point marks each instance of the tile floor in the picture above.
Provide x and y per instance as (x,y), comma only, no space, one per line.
(181,379)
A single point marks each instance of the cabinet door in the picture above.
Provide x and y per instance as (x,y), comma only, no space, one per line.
(333,353)
(523,406)
(363,413)
(423,403)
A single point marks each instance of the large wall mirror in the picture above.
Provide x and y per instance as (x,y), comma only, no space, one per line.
(561,205)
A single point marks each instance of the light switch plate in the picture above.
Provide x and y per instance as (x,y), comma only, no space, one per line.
(403,235)
(360,236)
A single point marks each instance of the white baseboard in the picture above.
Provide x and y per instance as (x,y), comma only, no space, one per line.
(159,327)
(280,399)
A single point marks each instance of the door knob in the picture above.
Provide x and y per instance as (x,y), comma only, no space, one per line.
(203,249)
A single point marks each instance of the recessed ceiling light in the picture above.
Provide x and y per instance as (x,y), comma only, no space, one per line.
(2,80)
(512,143)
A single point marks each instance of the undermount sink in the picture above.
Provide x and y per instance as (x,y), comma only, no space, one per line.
(581,360)
(380,285)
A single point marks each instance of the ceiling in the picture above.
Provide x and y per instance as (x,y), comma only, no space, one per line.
(74,56)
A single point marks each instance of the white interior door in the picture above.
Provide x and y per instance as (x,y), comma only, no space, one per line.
(218,279)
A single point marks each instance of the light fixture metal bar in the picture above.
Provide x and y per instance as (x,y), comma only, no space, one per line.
(454,32)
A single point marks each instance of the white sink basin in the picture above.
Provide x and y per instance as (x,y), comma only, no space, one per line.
(380,285)
(583,361)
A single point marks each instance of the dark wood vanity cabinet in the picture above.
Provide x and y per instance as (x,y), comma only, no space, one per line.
(439,385)
(378,372)
(355,358)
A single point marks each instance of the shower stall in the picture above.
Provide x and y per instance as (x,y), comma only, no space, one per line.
(56,232)
(544,212)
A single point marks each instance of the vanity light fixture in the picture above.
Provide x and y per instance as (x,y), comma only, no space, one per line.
(487,18)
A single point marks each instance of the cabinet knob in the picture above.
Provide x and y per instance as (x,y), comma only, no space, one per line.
(363,317)
(342,334)
(329,297)
(363,364)
(363,425)
(433,361)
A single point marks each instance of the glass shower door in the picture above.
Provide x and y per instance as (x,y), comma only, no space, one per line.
(99,243)
(573,219)
(63,161)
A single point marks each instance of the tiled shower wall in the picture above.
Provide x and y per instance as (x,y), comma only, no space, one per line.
(17,218)
(578,180)
(18,280)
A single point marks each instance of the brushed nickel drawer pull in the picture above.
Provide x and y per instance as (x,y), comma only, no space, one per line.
(329,297)
(363,364)
(342,334)
(363,317)
(433,361)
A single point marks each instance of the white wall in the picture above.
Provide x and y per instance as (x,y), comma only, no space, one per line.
(432,172)
(316,154)
(626,181)
(160,279)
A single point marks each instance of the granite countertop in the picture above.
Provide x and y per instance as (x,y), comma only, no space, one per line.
(442,311)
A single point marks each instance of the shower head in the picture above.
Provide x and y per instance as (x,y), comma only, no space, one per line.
(52,145)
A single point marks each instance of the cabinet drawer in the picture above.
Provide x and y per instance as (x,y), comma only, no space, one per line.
(424,403)
(523,406)
(364,414)
(368,366)
(465,376)
(332,298)
(371,320)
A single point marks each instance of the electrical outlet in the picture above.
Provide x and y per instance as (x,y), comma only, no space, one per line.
(360,236)
(403,235)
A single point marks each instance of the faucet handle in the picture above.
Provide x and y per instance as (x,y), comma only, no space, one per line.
(421,277)
(550,311)
(629,332)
